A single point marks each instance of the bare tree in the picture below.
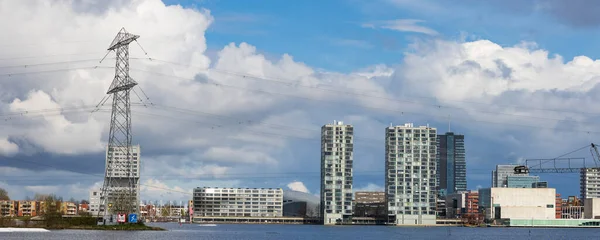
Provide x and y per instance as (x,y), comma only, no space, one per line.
(120,201)
(4,194)
(40,197)
(164,212)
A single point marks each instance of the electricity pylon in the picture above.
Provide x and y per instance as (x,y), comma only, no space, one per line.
(120,191)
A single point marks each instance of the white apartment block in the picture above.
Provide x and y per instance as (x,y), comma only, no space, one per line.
(590,183)
(123,169)
(94,202)
(410,164)
(337,142)
(238,202)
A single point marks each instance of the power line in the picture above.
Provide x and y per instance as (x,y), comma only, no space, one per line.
(51,55)
(296,83)
(49,63)
(370,107)
(52,71)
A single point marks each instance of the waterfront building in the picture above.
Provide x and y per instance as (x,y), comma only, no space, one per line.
(590,183)
(337,142)
(370,204)
(410,174)
(463,204)
(501,174)
(238,202)
(518,203)
(558,206)
(94,199)
(451,163)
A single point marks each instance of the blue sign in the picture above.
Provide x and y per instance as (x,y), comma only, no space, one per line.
(133,218)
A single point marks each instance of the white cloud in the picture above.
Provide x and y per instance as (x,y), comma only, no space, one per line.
(8,148)
(370,187)
(55,134)
(298,186)
(402,25)
(43,189)
(228,154)
(435,79)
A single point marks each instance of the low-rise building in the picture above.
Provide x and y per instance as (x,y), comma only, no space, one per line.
(591,207)
(559,206)
(370,204)
(440,208)
(462,204)
(8,208)
(83,208)
(238,202)
(68,208)
(29,208)
(518,203)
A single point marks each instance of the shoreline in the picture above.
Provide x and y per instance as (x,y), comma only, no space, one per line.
(123,227)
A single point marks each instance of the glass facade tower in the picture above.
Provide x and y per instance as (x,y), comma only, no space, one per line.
(451,163)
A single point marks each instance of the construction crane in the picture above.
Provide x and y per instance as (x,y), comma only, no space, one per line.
(559,164)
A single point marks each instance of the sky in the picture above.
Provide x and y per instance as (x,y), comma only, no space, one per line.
(233,93)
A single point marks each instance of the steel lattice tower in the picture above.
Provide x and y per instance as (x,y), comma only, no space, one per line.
(120,191)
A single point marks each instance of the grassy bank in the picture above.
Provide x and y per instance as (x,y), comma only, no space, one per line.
(82,223)
(121,227)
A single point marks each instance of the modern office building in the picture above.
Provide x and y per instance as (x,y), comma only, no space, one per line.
(122,170)
(500,175)
(370,204)
(522,181)
(451,163)
(540,184)
(238,202)
(410,174)
(590,183)
(337,142)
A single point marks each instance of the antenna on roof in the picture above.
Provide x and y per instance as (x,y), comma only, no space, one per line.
(448,122)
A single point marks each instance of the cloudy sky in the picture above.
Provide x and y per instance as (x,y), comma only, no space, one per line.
(237,90)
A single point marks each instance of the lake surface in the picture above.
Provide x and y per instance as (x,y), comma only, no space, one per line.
(311,232)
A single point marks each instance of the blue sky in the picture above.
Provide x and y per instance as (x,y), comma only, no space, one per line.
(395,61)
(329,35)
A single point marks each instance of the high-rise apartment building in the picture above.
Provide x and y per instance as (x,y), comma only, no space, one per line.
(122,170)
(451,163)
(590,183)
(501,174)
(337,142)
(410,174)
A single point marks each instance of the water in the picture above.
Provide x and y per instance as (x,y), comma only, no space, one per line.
(312,232)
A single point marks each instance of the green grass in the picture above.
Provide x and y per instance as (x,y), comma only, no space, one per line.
(120,227)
